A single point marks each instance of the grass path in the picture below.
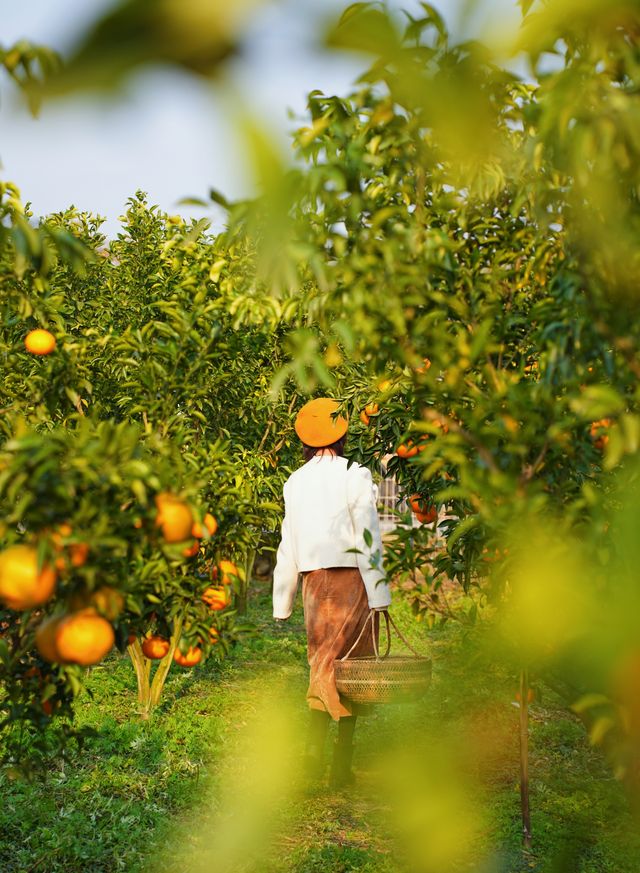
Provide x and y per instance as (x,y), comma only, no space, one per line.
(144,797)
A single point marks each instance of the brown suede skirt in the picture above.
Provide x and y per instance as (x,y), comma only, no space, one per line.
(335,609)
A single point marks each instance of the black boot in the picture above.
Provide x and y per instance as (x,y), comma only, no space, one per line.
(341,773)
(314,762)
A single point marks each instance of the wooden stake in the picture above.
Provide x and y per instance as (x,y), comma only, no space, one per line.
(524,759)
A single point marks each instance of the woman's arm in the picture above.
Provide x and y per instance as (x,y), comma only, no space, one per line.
(364,515)
(285,574)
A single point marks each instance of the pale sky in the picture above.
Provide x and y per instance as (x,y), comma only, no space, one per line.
(170,134)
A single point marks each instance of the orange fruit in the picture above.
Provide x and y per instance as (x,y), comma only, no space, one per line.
(226,570)
(84,638)
(598,434)
(63,530)
(407,450)
(418,503)
(192,550)
(214,636)
(217,597)
(364,418)
(108,601)
(372,409)
(210,524)
(442,425)
(131,638)
(155,647)
(427,517)
(45,638)
(78,553)
(40,342)
(384,385)
(426,363)
(174,518)
(189,658)
(22,585)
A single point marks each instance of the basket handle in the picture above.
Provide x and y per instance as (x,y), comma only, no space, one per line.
(389,621)
(402,637)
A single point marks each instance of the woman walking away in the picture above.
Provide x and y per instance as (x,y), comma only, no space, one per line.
(328,507)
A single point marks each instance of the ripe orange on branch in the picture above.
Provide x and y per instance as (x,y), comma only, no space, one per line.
(598,432)
(174,518)
(406,450)
(210,523)
(441,425)
(217,597)
(429,516)
(22,584)
(84,638)
(225,571)
(108,601)
(189,658)
(77,552)
(409,449)
(418,503)
(40,342)
(155,647)
(192,550)
(45,638)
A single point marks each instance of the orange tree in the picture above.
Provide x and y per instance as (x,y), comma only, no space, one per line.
(469,240)
(115,381)
(148,411)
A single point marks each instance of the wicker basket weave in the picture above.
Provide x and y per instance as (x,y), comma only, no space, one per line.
(382,678)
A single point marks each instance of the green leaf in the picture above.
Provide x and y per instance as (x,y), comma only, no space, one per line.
(589,701)
(597,401)
(461,529)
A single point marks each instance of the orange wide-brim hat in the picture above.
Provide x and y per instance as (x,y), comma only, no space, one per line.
(317,423)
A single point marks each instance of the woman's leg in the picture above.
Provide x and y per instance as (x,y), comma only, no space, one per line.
(316,739)
(341,773)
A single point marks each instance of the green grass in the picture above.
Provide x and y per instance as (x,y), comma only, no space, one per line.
(145,796)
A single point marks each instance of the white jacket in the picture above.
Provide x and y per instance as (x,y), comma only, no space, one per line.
(328,506)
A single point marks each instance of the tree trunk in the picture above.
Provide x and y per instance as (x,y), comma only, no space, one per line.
(150,691)
(162,670)
(142,667)
(242,594)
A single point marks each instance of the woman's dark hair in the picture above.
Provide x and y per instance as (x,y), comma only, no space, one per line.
(337,448)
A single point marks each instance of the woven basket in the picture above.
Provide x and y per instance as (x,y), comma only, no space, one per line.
(382,678)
